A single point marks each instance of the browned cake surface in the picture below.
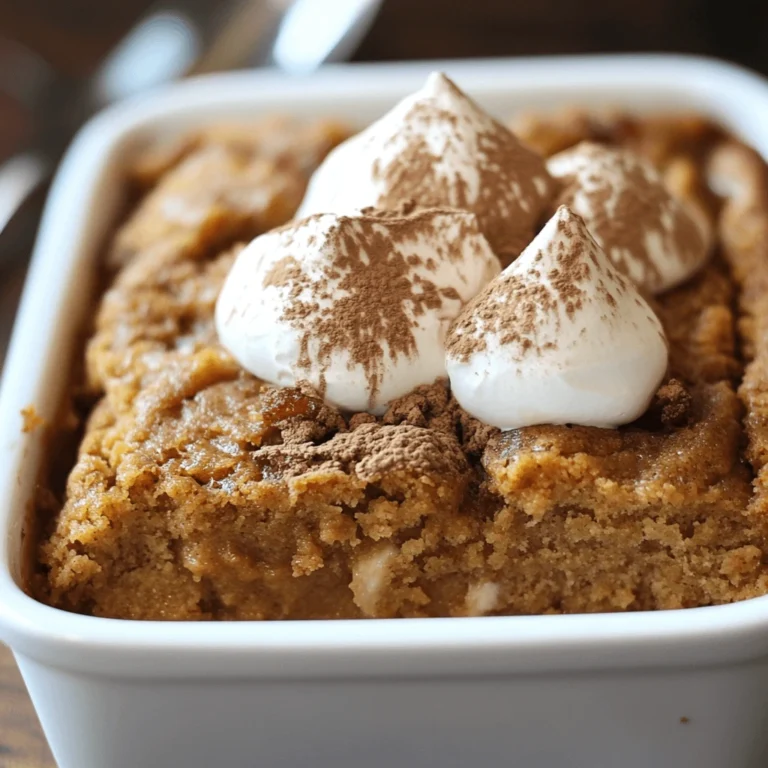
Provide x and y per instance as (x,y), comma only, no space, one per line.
(200,493)
(223,183)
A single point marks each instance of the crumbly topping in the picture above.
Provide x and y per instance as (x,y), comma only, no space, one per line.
(385,449)
(370,451)
(740,175)
(427,406)
(296,415)
(358,419)
(475,435)
(671,405)
(214,197)
(284,140)
(160,304)
(434,407)
(631,214)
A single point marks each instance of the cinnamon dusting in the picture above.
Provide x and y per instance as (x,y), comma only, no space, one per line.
(370,293)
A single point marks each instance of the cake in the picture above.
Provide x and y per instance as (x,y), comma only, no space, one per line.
(518,408)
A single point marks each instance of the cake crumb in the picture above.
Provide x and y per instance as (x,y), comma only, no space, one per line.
(31,419)
(358,419)
(672,404)
(426,406)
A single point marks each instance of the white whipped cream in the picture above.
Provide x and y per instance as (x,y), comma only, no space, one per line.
(651,236)
(357,306)
(559,337)
(437,148)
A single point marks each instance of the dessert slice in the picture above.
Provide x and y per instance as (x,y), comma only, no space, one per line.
(203,492)
(214,496)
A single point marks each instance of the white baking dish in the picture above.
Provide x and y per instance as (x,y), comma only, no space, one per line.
(676,688)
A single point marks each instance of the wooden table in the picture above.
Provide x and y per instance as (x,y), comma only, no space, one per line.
(22,744)
(73,34)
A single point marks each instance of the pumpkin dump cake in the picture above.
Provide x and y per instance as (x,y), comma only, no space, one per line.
(480,372)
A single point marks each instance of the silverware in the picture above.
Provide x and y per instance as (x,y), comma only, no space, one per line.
(312,34)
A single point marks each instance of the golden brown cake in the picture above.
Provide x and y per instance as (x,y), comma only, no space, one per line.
(201,493)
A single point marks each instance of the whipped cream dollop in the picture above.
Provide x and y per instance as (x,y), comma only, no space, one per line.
(358,306)
(438,148)
(559,337)
(651,236)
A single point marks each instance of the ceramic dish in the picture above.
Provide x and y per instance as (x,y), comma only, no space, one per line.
(674,688)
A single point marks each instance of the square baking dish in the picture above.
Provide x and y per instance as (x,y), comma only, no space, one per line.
(675,688)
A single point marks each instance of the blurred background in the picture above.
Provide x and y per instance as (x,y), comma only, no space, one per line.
(74,34)
(58,64)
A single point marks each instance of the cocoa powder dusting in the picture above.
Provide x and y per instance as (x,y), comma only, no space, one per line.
(297,423)
(368,295)
(426,406)
(358,419)
(432,406)
(371,451)
(295,415)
